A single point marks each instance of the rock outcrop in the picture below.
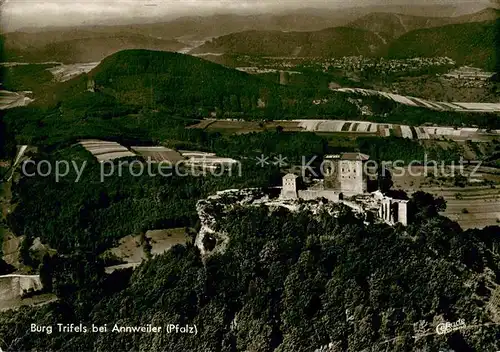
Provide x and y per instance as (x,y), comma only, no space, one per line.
(210,240)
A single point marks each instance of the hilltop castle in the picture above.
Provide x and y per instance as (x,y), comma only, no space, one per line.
(345,176)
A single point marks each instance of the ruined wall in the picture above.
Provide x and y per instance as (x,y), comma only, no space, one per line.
(332,177)
(394,211)
(403,212)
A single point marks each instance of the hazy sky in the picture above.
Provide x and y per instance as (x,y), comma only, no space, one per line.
(26,13)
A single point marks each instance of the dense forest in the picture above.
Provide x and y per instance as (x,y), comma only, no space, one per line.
(287,282)
(26,77)
(329,42)
(90,214)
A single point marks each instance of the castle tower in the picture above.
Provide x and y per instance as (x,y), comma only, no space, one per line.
(349,175)
(289,190)
(353,178)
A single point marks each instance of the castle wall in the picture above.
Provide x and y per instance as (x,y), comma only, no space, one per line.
(315,194)
(288,194)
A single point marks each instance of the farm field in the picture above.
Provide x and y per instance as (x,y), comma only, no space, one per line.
(474,213)
(158,154)
(475,208)
(239,127)
(105,150)
(351,127)
(471,206)
(423,103)
(63,73)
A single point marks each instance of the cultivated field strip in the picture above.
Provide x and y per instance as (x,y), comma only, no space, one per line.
(105,150)
(9,100)
(158,154)
(63,73)
(350,127)
(423,103)
(471,207)
(385,130)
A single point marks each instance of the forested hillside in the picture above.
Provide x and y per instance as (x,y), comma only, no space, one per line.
(331,42)
(142,77)
(131,80)
(393,25)
(470,39)
(472,44)
(35,78)
(93,48)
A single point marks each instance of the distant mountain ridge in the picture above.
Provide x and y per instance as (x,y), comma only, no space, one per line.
(332,42)
(470,39)
(394,25)
(90,49)
(319,18)
(287,34)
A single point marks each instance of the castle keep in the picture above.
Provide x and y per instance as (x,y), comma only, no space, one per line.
(345,176)
(346,173)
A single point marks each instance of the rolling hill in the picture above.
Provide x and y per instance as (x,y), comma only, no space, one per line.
(188,27)
(394,25)
(93,43)
(87,49)
(369,36)
(468,43)
(172,80)
(332,42)
(200,28)
(32,40)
